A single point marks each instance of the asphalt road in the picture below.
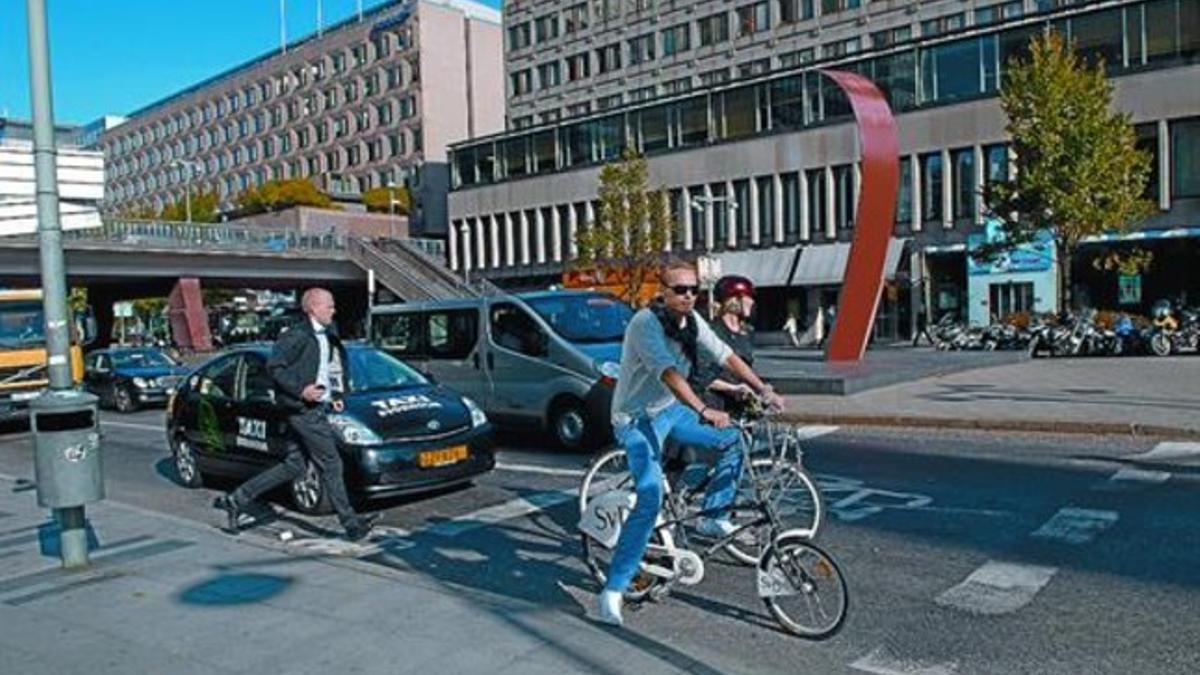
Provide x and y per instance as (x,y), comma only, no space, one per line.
(965,552)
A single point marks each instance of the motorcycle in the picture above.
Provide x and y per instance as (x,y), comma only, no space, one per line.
(1171,334)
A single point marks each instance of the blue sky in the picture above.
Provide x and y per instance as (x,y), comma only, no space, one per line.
(115,56)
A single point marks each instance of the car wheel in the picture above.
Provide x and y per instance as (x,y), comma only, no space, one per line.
(570,425)
(308,492)
(124,400)
(187,468)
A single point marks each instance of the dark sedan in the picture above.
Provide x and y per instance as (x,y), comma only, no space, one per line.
(399,433)
(130,378)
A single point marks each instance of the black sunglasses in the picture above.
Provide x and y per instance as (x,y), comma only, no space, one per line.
(683,289)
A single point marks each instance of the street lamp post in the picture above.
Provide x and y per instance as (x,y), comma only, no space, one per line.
(190,165)
(392,204)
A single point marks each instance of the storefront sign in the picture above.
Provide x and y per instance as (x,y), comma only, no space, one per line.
(1129,289)
(1035,256)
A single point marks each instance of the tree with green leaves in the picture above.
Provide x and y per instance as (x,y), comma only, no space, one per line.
(632,228)
(204,208)
(379,200)
(1078,171)
(277,195)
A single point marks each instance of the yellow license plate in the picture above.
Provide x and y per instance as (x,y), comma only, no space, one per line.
(435,458)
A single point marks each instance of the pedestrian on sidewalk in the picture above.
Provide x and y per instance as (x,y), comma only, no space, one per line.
(307,369)
(792,328)
(653,404)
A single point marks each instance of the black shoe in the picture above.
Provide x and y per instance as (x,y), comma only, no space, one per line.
(235,513)
(361,526)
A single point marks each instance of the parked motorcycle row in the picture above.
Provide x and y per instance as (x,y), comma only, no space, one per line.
(1171,329)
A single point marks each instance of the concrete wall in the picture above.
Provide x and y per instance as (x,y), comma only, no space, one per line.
(320,221)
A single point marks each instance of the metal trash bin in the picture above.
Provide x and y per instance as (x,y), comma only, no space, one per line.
(66,448)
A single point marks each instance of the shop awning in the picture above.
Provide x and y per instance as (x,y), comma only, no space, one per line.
(825,264)
(765,267)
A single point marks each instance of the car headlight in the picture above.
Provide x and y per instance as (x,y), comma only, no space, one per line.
(142,383)
(353,432)
(478,417)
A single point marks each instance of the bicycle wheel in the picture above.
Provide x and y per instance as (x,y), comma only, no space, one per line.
(803,587)
(791,494)
(607,475)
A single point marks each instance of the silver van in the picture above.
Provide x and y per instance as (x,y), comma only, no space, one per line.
(544,359)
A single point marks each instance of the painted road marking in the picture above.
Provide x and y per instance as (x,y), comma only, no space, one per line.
(1168,450)
(1075,525)
(133,425)
(811,431)
(545,470)
(1130,478)
(882,662)
(997,588)
(492,515)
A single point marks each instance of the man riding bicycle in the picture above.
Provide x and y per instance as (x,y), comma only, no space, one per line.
(654,404)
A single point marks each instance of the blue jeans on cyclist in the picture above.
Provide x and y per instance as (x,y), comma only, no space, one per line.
(643,440)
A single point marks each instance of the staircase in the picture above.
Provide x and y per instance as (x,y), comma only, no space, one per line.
(408,271)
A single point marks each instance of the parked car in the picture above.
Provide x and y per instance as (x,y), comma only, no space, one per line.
(546,360)
(399,433)
(130,378)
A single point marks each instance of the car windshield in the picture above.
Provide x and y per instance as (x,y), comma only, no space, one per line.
(141,359)
(374,370)
(584,317)
(21,324)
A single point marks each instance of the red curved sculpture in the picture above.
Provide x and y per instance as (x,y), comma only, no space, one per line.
(863,282)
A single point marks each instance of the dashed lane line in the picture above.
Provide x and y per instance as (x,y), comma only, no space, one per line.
(997,588)
(882,662)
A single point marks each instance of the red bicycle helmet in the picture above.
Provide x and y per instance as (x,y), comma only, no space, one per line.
(733,286)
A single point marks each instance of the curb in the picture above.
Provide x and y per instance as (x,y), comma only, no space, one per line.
(977,424)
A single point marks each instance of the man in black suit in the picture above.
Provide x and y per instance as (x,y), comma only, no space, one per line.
(307,369)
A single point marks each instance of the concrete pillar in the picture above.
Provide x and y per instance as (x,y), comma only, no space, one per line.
(480,243)
(510,253)
(752,197)
(572,229)
(709,226)
(830,205)
(452,240)
(494,234)
(947,191)
(731,215)
(914,175)
(467,259)
(777,206)
(856,185)
(556,242)
(685,217)
(805,222)
(1164,166)
(539,233)
(980,172)
(523,222)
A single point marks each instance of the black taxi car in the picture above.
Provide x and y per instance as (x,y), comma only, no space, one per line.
(398,434)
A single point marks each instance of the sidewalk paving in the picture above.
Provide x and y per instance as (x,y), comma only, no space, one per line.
(167,595)
(1143,395)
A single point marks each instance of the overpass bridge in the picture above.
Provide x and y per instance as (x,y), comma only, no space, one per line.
(124,260)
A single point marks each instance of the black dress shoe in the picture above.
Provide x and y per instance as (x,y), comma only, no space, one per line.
(361,526)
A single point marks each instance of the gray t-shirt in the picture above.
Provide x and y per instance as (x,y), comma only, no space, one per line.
(646,354)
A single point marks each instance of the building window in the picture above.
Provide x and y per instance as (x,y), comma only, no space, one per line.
(641,49)
(384,112)
(1185,158)
(359,54)
(931,187)
(521,82)
(642,94)
(816,199)
(714,77)
(608,59)
(545,28)
(518,36)
(840,48)
(676,39)
(713,29)
(549,75)
(578,67)
(339,63)
(891,36)
(1147,142)
(677,86)
(797,58)
(754,18)
(608,102)
(766,210)
(578,109)
(575,18)
(988,15)
(523,122)
(904,194)
(549,116)
(843,195)
(790,182)
(835,6)
(943,24)
(963,161)
(752,68)
(787,102)
(791,11)
(995,164)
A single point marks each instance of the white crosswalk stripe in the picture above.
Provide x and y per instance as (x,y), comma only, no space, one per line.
(997,588)
(1074,525)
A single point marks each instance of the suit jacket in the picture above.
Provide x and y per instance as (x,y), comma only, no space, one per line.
(295,361)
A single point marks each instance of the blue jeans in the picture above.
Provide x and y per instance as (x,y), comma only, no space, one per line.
(643,441)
